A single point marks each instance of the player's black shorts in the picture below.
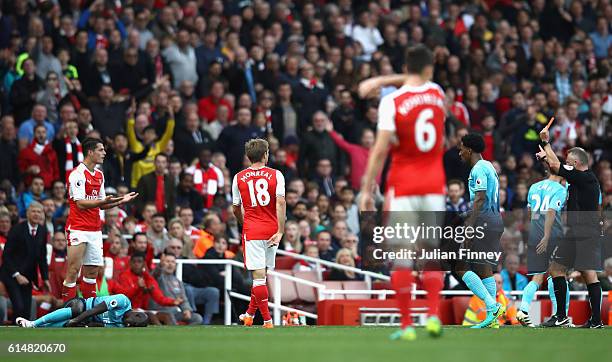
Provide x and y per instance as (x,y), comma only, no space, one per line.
(580,252)
(488,241)
(538,263)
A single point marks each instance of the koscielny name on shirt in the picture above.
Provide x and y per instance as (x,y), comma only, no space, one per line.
(435,254)
(262,173)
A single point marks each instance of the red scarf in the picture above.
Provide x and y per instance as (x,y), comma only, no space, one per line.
(69,155)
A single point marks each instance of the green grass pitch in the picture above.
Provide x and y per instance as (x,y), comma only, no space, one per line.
(311,344)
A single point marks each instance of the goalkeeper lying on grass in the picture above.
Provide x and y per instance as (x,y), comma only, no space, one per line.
(111,311)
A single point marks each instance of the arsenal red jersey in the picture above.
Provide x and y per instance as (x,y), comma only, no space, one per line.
(416,115)
(256,191)
(84,185)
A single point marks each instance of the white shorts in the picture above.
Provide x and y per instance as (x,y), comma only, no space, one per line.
(430,202)
(258,255)
(93,248)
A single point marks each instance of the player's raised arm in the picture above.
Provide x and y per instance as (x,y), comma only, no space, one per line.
(369,86)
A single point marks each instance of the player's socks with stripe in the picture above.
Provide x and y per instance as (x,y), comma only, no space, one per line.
(560,288)
(491,286)
(528,294)
(62,314)
(260,291)
(433,282)
(551,294)
(88,287)
(69,291)
(594,290)
(401,282)
(475,284)
(252,309)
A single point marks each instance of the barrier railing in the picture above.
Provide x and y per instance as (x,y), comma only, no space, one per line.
(322,291)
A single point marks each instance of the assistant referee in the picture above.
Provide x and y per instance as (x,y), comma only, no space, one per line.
(582,246)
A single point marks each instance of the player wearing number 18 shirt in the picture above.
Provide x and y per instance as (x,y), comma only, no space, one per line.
(259,191)
(411,122)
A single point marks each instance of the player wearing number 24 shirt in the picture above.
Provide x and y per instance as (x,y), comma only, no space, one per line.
(258,197)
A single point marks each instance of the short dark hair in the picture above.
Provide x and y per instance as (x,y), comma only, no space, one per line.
(156,215)
(456,182)
(474,141)
(139,234)
(418,57)
(138,254)
(161,154)
(90,144)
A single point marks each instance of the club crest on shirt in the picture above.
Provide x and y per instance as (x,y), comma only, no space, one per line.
(478,181)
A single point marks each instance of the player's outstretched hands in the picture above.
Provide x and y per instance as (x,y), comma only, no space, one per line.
(544,133)
(112,199)
(542,245)
(275,239)
(128,197)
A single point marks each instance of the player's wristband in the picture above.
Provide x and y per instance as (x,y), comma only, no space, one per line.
(544,144)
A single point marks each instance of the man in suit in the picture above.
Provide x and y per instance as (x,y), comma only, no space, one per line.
(190,139)
(158,187)
(25,251)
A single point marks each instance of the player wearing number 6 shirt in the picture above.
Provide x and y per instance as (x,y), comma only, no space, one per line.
(260,192)
(86,197)
(411,123)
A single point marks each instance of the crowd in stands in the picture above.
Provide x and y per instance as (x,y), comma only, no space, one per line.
(176,88)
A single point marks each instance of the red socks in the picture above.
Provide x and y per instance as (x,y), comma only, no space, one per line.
(260,292)
(88,287)
(433,282)
(68,291)
(252,305)
(401,281)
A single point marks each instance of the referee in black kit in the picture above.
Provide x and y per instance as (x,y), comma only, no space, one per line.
(582,246)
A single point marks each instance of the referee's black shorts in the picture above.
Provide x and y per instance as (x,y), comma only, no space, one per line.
(580,252)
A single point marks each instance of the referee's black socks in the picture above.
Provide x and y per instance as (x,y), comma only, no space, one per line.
(560,286)
(595,301)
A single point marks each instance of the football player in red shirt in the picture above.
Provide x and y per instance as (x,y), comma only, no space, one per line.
(410,123)
(86,197)
(260,192)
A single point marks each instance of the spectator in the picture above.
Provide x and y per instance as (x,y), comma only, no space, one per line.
(157,234)
(207,106)
(344,257)
(117,252)
(197,284)
(181,58)
(8,150)
(158,187)
(324,243)
(25,252)
(232,139)
(150,141)
(138,285)
(512,279)
(207,178)
(39,159)
(26,130)
(357,153)
(108,114)
(317,144)
(212,228)
(455,201)
(172,287)
(190,139)
(602,39)
(605,278)
(187,196)
(24,90)
(57,266)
